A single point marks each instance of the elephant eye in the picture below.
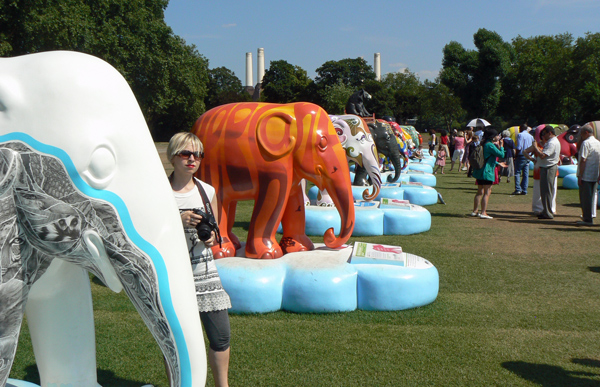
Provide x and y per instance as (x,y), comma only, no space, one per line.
(101,167)
(322,143)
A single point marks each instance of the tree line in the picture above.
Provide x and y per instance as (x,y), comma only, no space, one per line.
(541,79)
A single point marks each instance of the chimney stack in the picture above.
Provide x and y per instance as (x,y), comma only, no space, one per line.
(260,65)
(249,82)
(377,66)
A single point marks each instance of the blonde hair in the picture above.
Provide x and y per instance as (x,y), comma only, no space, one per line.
(178,142)
(460,134)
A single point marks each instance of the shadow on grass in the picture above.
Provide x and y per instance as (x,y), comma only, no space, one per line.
(105,378)
(587,362)
(594,269)
(551,376)
(32,375)
(464,190)
(447,215)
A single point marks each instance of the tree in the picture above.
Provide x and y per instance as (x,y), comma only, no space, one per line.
(351,72)
(537,86)
(407,91)
(167,76)
(335,97)
(440,106)
(382,102)
(475,75)
(224,87)
(284,82)
(585,78)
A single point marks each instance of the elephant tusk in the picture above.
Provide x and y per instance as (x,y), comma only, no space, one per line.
(95,246)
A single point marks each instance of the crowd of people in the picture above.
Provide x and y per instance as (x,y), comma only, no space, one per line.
(505,158)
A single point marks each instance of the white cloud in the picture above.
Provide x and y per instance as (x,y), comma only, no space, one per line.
(230,25)
(399,66)
(428,74)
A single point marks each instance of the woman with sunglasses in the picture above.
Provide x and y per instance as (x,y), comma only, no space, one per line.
(185,152)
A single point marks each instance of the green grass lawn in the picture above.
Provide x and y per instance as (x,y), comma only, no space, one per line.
(519,305)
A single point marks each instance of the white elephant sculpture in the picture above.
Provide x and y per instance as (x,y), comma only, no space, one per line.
(81,181)
(360,147)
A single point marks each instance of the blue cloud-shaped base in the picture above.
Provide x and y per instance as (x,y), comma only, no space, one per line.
(322,281)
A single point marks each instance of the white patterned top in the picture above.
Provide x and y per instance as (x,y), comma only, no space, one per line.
(210,294)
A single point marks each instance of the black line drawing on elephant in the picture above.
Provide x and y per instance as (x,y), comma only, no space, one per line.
(44,216)
(387,145)
(356,105)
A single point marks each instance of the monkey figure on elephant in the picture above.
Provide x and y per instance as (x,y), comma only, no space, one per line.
(261,152)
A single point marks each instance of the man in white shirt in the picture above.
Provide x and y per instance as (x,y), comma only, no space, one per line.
(549,157)
(588,172)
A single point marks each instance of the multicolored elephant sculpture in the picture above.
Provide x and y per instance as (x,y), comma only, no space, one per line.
(385,141)
(82,188)
(261,152)
(357,140)
(567,138)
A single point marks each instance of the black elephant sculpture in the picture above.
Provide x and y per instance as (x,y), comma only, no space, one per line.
(385,141)
(356,105)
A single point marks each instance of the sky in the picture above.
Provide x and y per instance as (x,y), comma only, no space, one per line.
(408,34)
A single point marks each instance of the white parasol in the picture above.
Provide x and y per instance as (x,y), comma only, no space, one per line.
(478,123)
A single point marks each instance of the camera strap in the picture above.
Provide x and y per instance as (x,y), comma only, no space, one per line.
(207,207)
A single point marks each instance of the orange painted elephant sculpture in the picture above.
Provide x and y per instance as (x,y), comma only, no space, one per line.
(261,152)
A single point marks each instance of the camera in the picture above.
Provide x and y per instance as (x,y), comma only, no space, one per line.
(206,226)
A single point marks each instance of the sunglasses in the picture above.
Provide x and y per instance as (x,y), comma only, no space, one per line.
(186,154)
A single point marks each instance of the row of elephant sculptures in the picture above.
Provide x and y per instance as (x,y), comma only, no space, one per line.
(261,152)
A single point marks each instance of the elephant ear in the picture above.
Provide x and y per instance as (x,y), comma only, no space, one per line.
(273,134)
(342,130)
(571,136)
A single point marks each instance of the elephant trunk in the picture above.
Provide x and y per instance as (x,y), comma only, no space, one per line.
(395,159)
(373,172)
(341,193)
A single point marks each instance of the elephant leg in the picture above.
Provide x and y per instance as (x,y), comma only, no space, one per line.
(14,296)
(228,244)
(294,224)
(266,216)
(61,322)
(231,220)
(360,176)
